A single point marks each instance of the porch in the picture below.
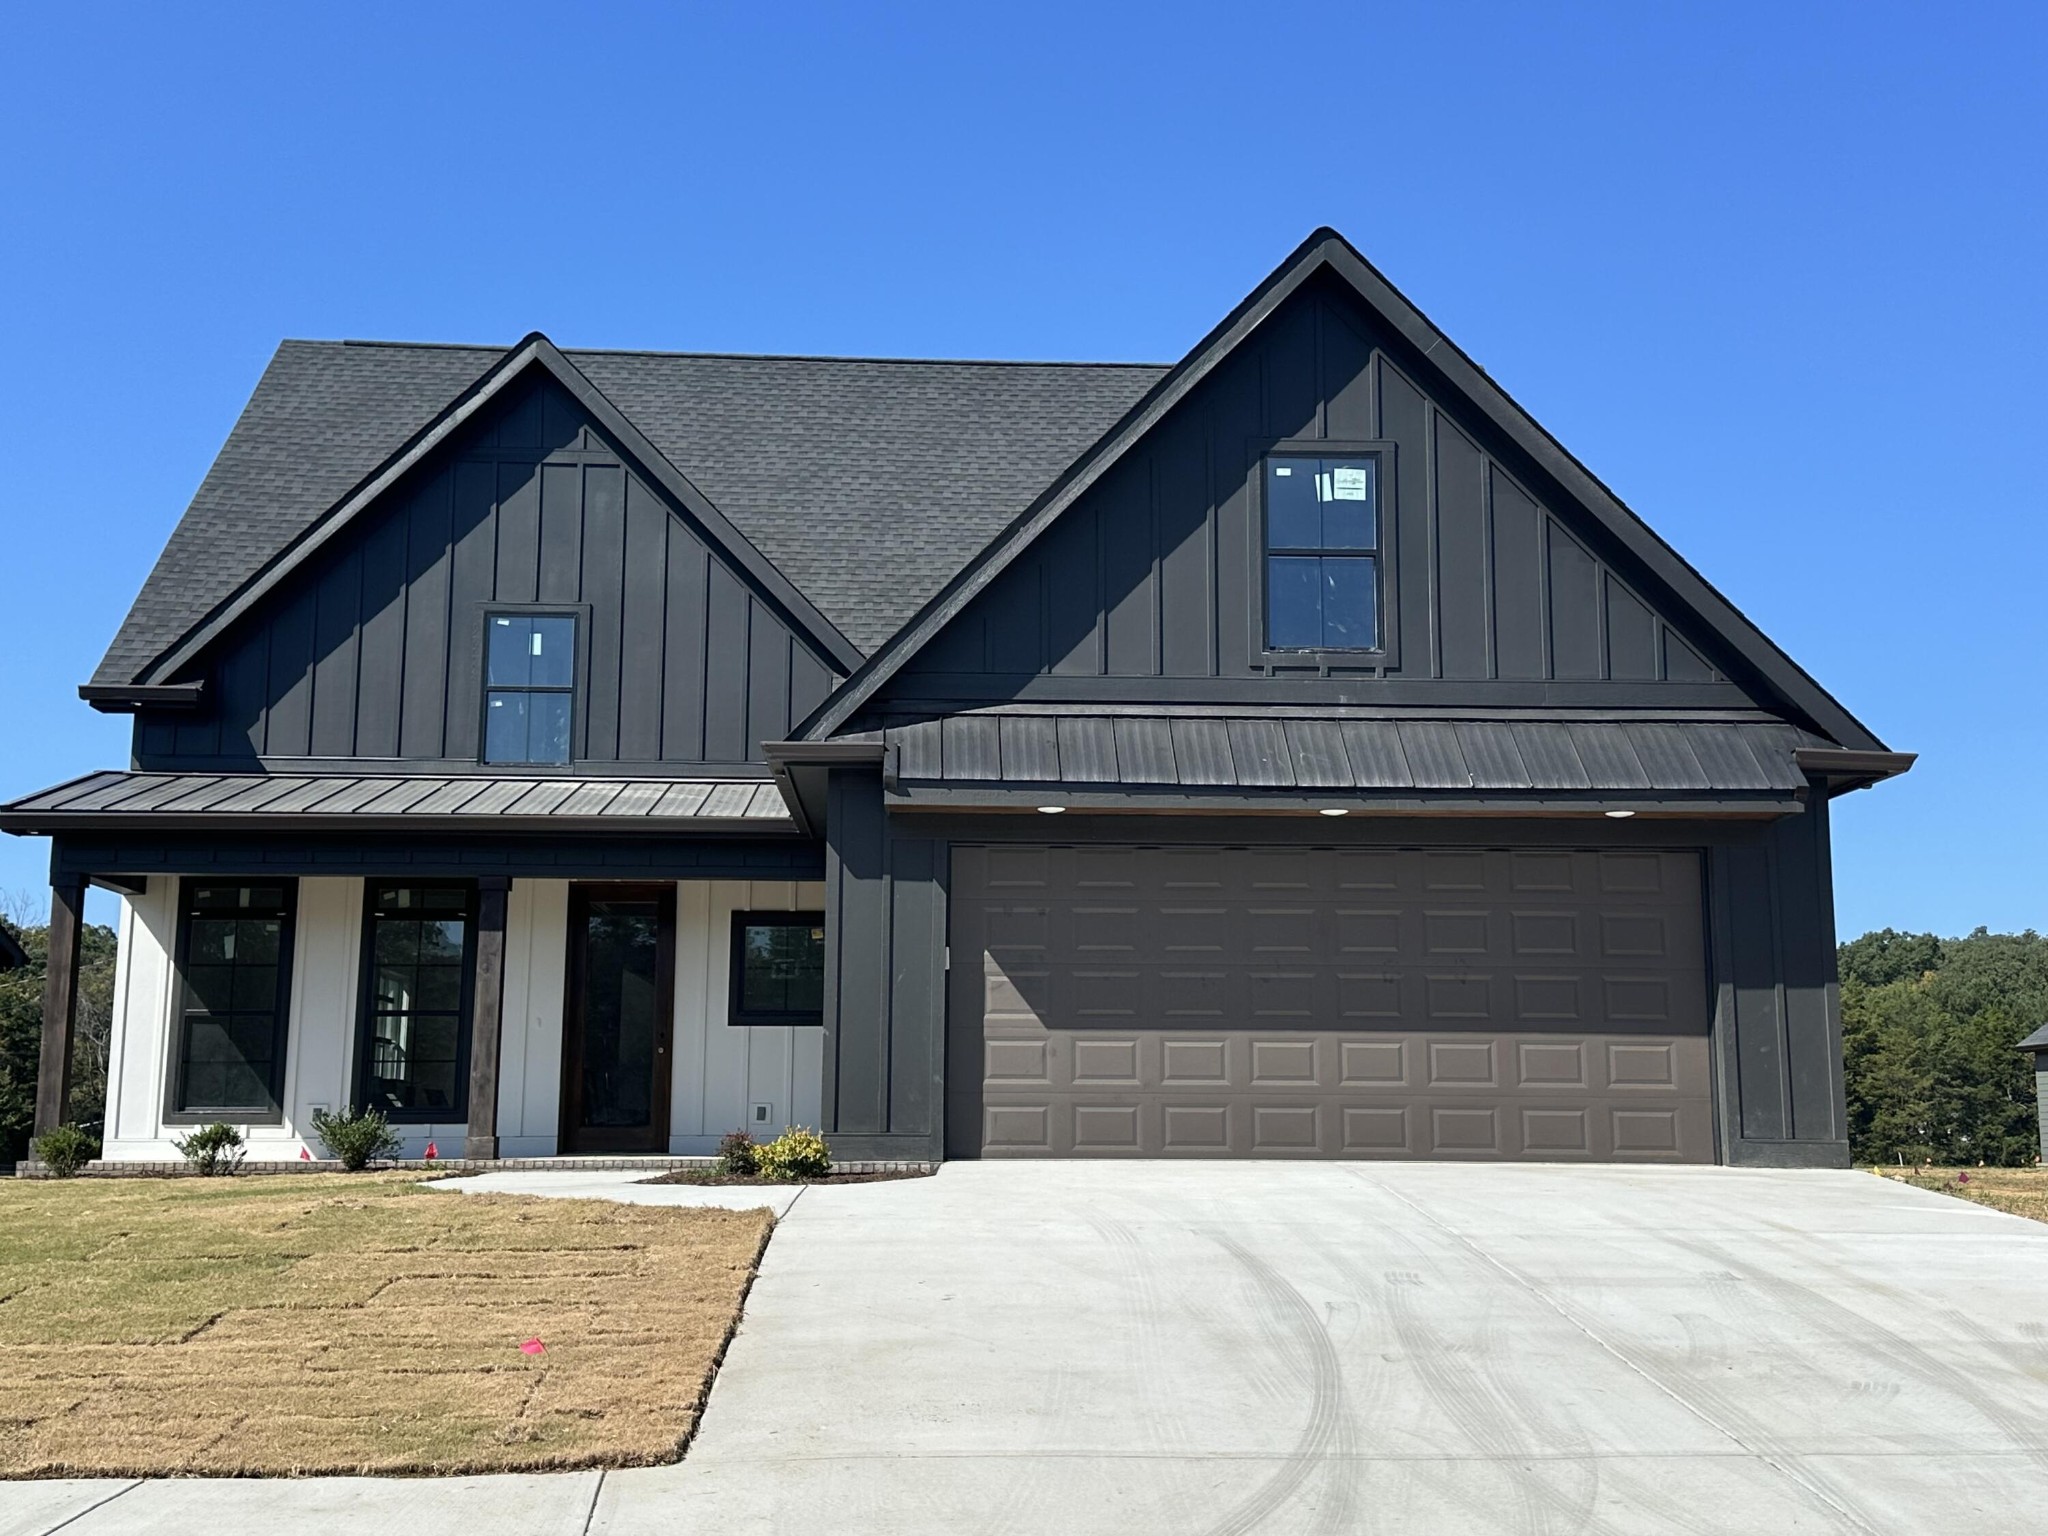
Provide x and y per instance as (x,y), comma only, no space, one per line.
(601,974)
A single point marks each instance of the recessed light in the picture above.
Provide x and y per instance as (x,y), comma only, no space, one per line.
(1621,815)
(1050,810)
(1335,810)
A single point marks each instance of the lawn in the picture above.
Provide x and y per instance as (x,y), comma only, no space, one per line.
(2022,1191)
(338,1323)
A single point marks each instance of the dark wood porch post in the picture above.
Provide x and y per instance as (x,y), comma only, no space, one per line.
(60,1004)
(486,1028)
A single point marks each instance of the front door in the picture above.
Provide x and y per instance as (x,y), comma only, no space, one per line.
(618,1018)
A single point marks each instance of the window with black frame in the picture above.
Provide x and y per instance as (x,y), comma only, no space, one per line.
(529,687)
(417,959)
(234,962)
(778,968)
(1322,552)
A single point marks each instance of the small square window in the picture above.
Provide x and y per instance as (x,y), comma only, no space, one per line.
(778,968)
(529,687)
(1322,553)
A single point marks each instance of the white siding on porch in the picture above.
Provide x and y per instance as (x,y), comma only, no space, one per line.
(720,1071)
(530,1065)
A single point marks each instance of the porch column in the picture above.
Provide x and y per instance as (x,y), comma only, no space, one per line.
(60,1004)
(486,1017)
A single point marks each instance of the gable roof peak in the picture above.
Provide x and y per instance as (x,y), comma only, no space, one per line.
(1327,249)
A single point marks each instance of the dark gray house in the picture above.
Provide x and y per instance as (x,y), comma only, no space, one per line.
(1291,752)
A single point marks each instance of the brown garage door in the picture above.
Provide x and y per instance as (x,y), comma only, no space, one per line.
(1236,1002)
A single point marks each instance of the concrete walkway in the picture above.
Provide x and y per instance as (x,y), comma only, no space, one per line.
(1306,1348)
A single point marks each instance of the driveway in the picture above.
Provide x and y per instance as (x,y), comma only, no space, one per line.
(1300,1348)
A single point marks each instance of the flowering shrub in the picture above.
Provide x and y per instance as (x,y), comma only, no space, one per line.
(798,1153)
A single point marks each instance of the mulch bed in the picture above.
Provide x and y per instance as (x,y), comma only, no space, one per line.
(699,1176)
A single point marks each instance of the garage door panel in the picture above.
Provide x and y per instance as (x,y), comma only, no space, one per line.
(1332,1003)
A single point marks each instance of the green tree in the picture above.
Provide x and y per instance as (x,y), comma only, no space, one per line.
(21,1033)
(1929,1027)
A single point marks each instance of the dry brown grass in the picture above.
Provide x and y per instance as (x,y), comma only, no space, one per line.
(358,1323)
(2022,1191)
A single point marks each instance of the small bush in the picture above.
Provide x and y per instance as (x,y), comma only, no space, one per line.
(65,1150)
(738,1156)
(213,1149)
(798,1153)
(358,1137)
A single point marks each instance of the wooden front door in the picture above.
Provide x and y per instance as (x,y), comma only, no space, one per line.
(619,1018)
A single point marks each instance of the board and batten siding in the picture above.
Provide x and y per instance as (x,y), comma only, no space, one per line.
(1148,574)
(720,1072)
(375,649)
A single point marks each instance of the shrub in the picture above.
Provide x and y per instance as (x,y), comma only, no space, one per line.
(213,1149)
(65,1150)
(738,1156)
(798,1153)
(358,1137)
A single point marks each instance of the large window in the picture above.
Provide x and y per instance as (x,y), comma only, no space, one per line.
(529,687)
(778,968)
(417,960)
(1322,553)
(234,966)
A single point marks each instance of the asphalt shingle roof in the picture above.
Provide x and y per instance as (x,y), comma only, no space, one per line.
(868,482)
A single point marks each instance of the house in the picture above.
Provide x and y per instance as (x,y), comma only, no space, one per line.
(12,956)
(1291,752)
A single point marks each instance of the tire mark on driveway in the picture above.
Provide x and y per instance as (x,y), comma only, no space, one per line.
(1326,1393)
(1727,1417)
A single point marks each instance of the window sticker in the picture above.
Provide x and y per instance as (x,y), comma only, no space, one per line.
(1350,485)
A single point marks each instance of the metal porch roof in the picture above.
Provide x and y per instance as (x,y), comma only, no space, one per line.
(443,802)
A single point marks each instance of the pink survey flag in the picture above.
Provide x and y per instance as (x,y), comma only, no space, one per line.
(432,1151)
(305,1156)
(533,1347)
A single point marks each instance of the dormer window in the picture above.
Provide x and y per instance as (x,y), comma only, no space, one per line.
(529,687)
(1322,552)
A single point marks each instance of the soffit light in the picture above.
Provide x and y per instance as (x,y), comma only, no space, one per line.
(1334,810)
(1620,815)
(1050,810)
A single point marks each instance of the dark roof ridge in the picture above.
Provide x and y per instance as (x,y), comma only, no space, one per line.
(754,357)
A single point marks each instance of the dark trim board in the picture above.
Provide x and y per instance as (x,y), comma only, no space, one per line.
(78,855)
(943,693)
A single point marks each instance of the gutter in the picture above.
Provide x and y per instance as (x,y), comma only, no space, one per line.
(1842,770)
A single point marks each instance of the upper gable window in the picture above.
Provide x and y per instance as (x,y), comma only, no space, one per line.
(1322,552)
(529,687)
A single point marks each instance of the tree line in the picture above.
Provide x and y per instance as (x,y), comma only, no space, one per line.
(21,1032)
(1928,1030)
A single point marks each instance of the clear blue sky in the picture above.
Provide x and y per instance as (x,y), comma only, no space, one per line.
(1774,271)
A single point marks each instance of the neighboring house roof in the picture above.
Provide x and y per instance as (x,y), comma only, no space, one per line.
(866,482)
(1326,250)
(12,956)
(409,802)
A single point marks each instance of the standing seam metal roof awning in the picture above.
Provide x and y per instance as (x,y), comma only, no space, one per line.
(1434,756)
(467,803)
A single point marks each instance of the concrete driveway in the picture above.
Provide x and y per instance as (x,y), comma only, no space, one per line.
(1301,1348)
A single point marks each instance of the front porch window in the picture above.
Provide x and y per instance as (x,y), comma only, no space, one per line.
(778,968)
(234,965)
(418,957)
